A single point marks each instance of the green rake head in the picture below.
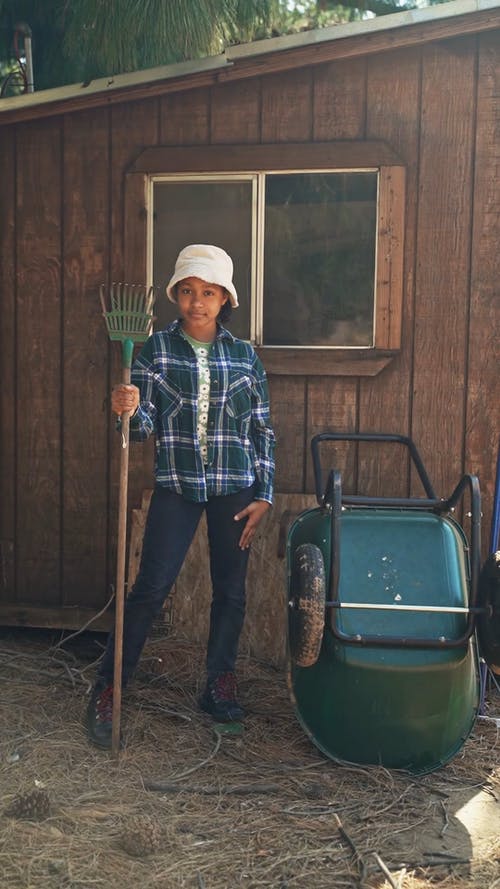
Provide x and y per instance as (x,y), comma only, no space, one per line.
(129,314)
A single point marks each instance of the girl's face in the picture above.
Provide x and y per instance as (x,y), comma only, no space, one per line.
(199,302)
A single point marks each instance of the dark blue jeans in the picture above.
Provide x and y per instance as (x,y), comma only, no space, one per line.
(170,528)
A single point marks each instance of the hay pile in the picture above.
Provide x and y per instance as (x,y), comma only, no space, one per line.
(184,807)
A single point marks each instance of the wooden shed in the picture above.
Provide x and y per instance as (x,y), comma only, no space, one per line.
(400,116)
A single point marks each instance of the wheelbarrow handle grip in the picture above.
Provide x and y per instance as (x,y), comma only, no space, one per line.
(373,437)
(470,482)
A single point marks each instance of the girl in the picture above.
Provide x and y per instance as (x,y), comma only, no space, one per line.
(203,394)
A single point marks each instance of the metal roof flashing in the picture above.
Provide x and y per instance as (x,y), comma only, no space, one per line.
(446,10)
(115,82)
(54,101)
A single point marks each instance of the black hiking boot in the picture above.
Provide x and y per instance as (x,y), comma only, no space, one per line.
(219,699)
(100,715)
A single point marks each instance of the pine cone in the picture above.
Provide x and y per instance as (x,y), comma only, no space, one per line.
(141,835)
(34,805)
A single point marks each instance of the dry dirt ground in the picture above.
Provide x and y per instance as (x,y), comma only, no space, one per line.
(186,807)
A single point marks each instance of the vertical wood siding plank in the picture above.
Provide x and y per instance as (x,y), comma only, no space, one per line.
(185,118)
(235,114)
(390,247)
(443,254)
(393,115)
(287,107)
(7,369)
(339,113)
(38,362)
(483,402)
(287,117)
(332,407)
(86,246)
(287,397)
(135,261)
(134,127)
(339,100)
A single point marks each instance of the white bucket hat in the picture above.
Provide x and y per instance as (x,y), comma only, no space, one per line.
(211,264)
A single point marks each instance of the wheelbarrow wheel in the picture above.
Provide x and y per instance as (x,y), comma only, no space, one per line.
(488,624)
(307,605)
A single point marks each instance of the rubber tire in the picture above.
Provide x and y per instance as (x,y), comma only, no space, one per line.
(306,618)
(488,623)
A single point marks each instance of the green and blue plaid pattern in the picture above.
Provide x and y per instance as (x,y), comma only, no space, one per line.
(239,435)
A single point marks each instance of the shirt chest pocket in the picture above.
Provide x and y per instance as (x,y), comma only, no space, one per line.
(239,397)
(170,398)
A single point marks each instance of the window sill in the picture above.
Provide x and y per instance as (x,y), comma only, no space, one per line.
(325,362)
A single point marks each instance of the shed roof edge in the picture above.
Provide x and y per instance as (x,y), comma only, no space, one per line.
(396,20)
(139,84)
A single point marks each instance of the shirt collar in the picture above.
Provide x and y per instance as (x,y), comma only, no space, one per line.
(222,333)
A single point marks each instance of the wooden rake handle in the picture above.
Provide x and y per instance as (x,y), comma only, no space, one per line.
(127,352)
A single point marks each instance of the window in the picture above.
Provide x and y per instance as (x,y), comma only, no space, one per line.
(204,210)
(317,244)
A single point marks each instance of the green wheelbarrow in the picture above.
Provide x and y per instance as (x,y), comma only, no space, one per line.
(384,600)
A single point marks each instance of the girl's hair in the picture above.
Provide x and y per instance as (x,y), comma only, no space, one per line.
(226,311)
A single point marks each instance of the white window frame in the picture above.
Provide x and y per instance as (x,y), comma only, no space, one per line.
(258,210)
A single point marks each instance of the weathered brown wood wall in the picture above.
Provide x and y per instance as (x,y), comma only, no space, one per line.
(62,225)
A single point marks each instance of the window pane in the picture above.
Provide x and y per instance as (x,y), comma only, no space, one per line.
(319,259)
(217,213)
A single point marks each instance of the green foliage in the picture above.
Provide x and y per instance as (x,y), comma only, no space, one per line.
(85,39)
(11,79)
(162,32)
(78,40)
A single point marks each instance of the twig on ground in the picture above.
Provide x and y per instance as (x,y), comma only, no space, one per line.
(149,707)
(70,674)
(446,819)
(242,789)
(385,870)
(85,625)
(357,855)
(446,857)
(198,764)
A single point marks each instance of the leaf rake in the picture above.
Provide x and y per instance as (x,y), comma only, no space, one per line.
(128,313)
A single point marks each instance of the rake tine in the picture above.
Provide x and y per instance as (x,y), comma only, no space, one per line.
(137,307)
(123,297)
(131,306)
(150,298)
(140,309)
(114,304)
(144,318)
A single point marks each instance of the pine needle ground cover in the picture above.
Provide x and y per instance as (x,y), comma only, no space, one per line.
(186,806)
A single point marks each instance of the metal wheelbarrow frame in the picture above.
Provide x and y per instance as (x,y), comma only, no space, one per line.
(375,678)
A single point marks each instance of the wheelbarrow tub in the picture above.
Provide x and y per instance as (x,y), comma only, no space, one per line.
(400,707)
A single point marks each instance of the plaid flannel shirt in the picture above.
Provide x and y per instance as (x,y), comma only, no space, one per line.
(240,438)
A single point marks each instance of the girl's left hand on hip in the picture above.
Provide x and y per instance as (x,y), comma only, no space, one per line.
(254,513)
